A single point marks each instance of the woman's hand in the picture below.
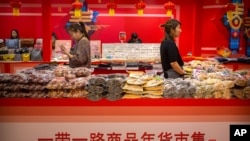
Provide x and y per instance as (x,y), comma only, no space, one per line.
(63,49)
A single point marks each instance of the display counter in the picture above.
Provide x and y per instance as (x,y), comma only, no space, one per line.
(16,66)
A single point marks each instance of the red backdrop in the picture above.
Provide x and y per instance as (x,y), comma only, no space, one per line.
(201,22)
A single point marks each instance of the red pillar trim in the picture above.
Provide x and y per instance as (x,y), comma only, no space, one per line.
(197,28)
(6,68)
(46,26)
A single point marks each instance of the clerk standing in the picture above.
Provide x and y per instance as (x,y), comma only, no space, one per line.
(79,56)
(170,56)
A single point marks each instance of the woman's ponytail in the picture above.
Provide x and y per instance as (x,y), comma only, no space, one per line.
(83,30)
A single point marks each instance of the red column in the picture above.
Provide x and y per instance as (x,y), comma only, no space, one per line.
(46,28)
(197,16)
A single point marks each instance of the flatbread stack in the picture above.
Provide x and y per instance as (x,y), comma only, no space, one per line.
(154,88)
(140,85)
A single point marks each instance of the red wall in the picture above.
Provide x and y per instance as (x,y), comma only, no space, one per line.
(200,27)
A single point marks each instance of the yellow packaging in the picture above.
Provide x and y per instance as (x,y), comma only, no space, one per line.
(26,56)
(8,57)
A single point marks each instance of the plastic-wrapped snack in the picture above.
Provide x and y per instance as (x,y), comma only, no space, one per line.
(181,82)
(180,91)
(228,84)
(229,77)
(38,87)
(248,82)
(62,93)
(105,76)
(78,83)
(97,81)
(12,95)
(115,90)
(191,91)
(28,71)
(52,93)
(213,75)
(2,85)
(218,86)
(7,86)
(5,77)
(209,89)
(12,87)
(68,86)
(15,87)
(113,97)
(37,94)
(217,94)
(2,94)
(240,82)
(32,94)
(210,81)
(77,93)
(117,75)
(168,81)
(28,86)
(246,91)
(200,92)
(200,76)
(40,77)
(169,90)
(238,93)
(22,94)
(57,83)
(81,71)
(19,94)
(5,94)
(193,82)
(60,70)
(20,78)
(226,94)
(95,89)
(43,94)
(115,82)
(69,76)
(94,97)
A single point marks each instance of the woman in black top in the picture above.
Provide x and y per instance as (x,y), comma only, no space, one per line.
(170,56)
